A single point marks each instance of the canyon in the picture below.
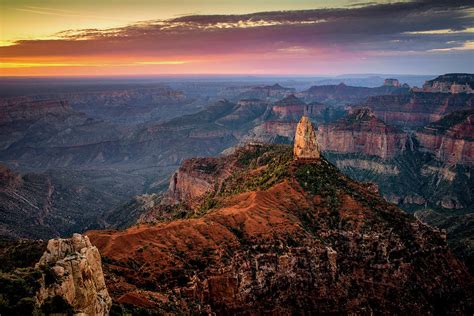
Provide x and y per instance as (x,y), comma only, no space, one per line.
(54,142)
(194,210)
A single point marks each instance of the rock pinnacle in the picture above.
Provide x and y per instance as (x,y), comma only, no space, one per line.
(306,146)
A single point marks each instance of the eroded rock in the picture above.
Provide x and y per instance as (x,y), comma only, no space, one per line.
(72,270)
(306,146)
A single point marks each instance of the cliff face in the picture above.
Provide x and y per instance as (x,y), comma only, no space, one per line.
(429,168)
(24,204)
(451,139)
(459,228)
(278,122)
(417,108)
(279,235)
(362,132)
(195,178)
(451,83)
(288,109)
(72,270)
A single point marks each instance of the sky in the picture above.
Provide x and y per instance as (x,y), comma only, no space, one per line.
(273,37)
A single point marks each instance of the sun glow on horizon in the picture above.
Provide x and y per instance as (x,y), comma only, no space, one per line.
(276,37)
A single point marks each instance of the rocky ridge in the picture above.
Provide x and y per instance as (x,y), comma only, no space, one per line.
(341,94)
(417,109)
(451,83)
(278,235)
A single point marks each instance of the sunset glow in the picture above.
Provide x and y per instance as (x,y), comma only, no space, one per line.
(44,39)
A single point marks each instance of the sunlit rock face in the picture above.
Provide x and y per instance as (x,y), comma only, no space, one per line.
(362,132)
(72,270)
(451,139)
(306,146)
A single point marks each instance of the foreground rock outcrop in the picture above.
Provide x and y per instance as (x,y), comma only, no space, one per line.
(72,270)
(61,277)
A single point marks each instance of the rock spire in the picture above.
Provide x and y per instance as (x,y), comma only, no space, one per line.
(306,146)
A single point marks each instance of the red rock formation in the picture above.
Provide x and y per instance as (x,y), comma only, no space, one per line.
(306,145)
(451,139)
(75,267)
(286,129)
(417,108)
(362,132)
(195,178)
(289,108)
(285,237)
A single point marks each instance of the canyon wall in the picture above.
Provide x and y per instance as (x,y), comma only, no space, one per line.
(417,108)
(362,132)
(450,139)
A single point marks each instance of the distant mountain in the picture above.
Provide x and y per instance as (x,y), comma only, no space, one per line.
(374,80)
(451,83)
(265,92)
(115,104)
(341,94)
(417,108)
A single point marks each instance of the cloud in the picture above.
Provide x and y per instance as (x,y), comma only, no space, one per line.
(469,45)
(368,29)
(64,13)
(442,31)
